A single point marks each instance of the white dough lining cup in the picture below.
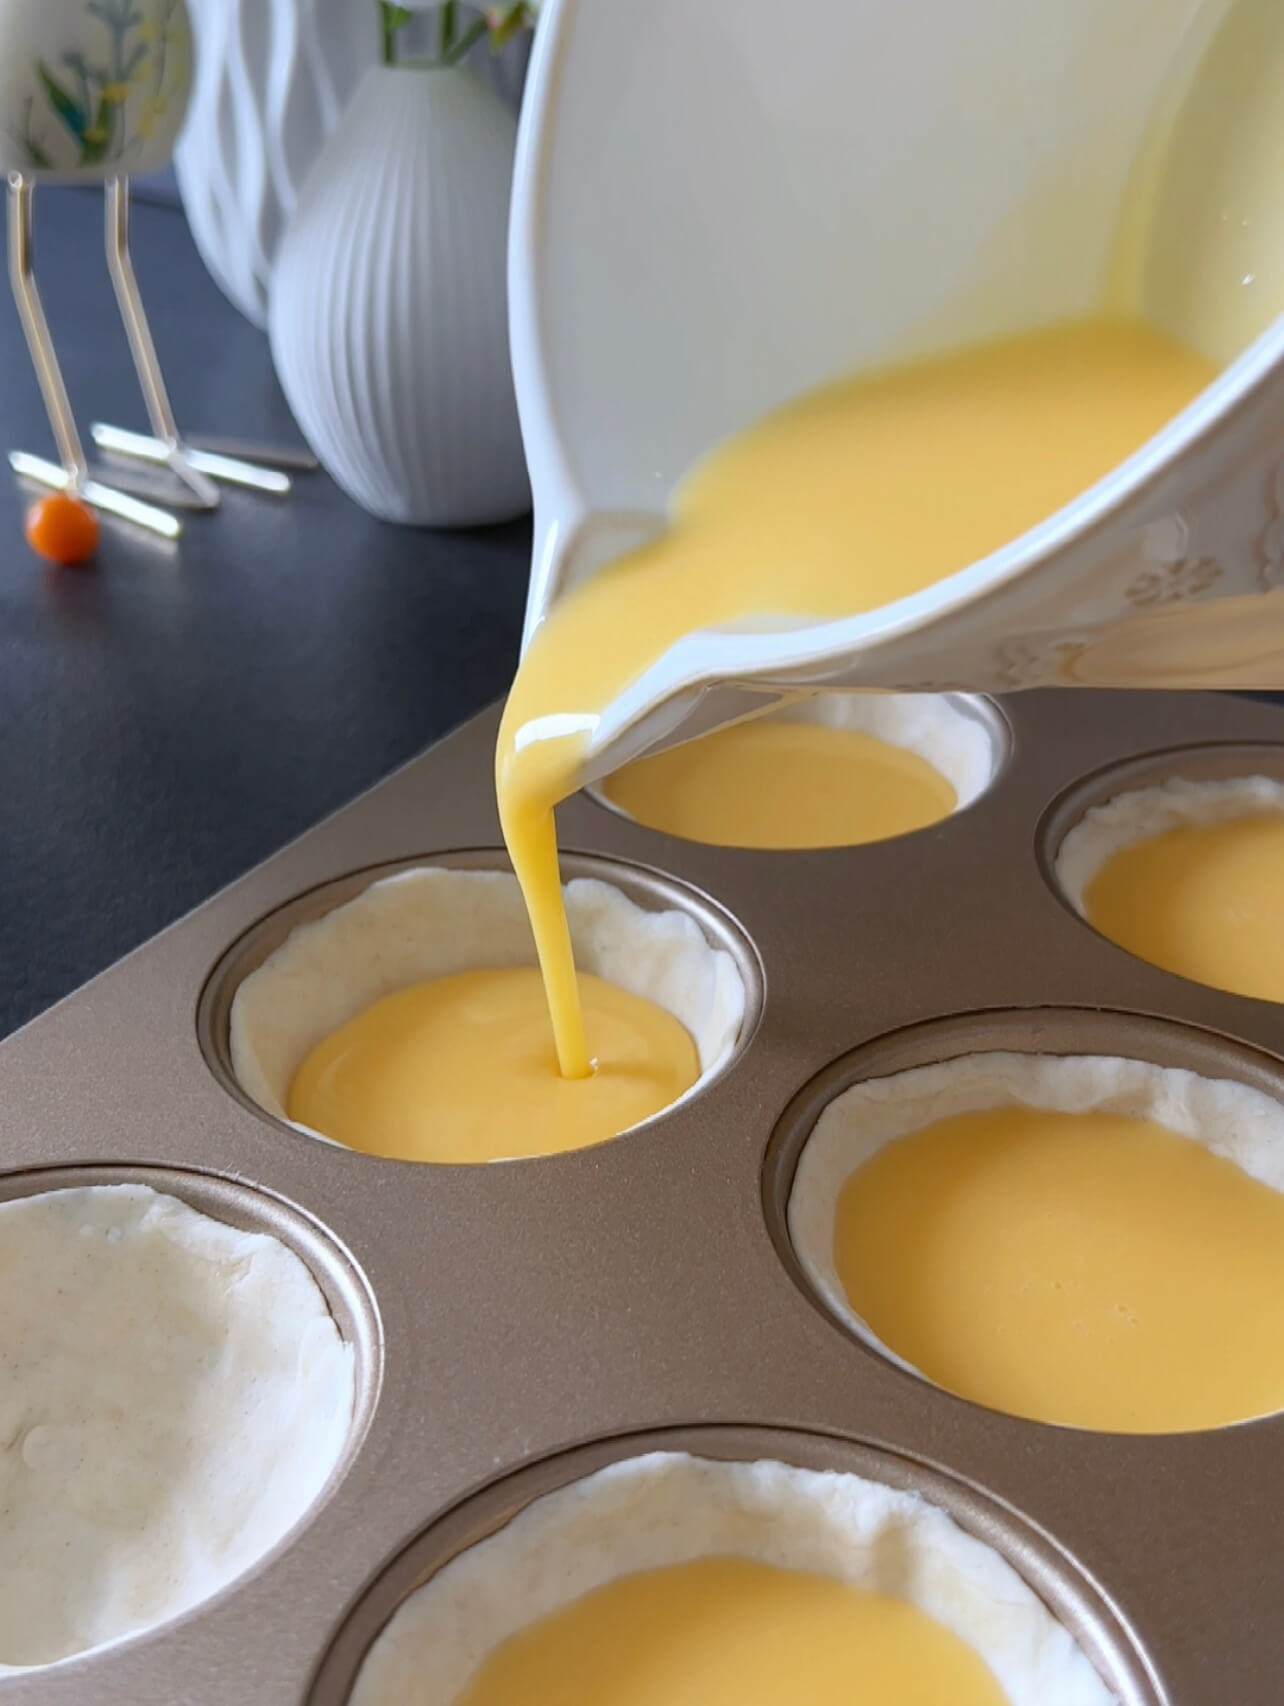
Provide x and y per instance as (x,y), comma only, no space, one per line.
(1231,1119)
(146,1478)
(1136,815)
(667,1508)
(435,921)
(962,737)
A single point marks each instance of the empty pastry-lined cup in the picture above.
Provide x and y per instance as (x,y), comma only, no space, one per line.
(1085,1240)
(831,770)
(411,1022)
(703,1582)
(1189,876)
(174,1396)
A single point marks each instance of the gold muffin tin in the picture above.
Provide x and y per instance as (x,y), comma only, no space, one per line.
(519,1325)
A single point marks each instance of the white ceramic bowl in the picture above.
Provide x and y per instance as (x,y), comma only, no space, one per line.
(713,213)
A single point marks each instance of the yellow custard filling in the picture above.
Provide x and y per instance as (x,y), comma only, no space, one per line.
(463,1069)
(1083,1269)
(782,784)
(730,1632)
(848,500)
(1204,900)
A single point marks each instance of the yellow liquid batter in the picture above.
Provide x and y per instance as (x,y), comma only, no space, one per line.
(1083,1269)
(463,1069)
(1205,901)
(850,499)
(731,1632)
(783,784)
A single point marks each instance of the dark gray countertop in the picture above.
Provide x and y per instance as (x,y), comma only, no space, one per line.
(169,719)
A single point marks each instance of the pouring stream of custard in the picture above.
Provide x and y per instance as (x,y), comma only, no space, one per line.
(846,501)
(462,1069)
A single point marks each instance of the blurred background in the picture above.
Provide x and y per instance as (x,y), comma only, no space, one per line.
(172,714)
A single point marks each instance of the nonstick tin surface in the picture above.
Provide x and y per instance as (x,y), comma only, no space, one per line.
(538,1315)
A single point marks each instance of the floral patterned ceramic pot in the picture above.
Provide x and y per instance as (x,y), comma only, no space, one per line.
(92,89)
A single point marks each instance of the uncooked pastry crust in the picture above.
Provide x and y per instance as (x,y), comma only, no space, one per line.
(669,1508)
(174,1395)
(1144,813)
(957,746)
(1230,1119)
(433,922)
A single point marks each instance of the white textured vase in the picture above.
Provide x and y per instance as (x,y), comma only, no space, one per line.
(389,312)
(272,80)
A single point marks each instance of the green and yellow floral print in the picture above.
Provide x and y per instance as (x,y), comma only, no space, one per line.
(98,107)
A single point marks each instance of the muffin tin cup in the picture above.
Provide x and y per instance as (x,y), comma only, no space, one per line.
(1077,1602)
(250,1210)
(1223,762)
(647,891)
(1068,1033)
(351,1306)
(963,736)
(522,1314)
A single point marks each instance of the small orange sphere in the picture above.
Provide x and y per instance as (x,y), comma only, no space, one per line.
(62,529)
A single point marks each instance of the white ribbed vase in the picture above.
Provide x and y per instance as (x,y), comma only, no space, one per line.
(272,80)
(389,312)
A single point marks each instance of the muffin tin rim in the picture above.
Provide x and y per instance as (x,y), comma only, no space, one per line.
(1106,1500)
(335,1272)
(1079,1602)
(982,708)
(1132,775)
(717,923)
(1262,1071)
